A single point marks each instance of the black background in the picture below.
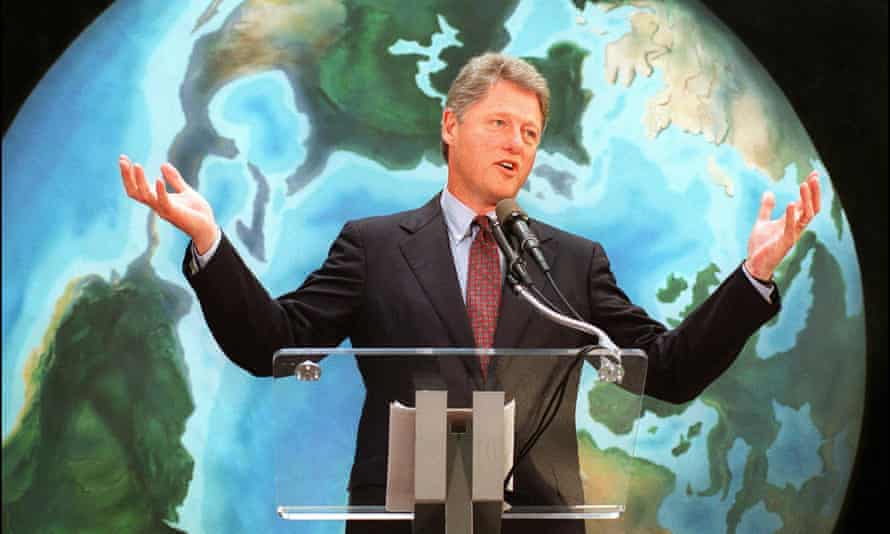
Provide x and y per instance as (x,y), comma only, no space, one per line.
(830,59)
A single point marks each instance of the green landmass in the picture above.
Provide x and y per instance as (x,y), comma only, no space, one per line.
(829,353)
(674,287)
(481,27)
(686,441)
(611,474)
(97,445)
(614,407)
(705,280)
(837,215)
(359,77)
(701,289)
(713,87)
(681,447)
(562,68)
(358,96)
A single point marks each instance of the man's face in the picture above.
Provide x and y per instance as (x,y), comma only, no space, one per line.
(491,149)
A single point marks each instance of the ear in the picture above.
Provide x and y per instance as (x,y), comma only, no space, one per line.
(449,126)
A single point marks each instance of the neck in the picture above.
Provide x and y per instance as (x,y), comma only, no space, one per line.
(470,201)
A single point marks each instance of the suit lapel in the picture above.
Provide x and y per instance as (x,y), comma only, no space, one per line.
(428,253)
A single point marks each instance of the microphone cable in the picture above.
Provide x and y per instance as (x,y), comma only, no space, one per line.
(562,297)
(549,413)
(538,293)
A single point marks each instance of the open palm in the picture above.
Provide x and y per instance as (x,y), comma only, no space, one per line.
(771,239)
(186,209)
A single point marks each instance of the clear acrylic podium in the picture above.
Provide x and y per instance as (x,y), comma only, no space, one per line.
(594,430)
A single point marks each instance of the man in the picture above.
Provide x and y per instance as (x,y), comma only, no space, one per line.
(417,279)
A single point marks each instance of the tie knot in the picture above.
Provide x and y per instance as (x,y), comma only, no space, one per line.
(484,234)
(484,222)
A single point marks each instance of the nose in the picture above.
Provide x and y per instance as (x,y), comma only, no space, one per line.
(513,142)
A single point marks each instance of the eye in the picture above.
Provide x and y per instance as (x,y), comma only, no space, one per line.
(498,122)
(531,135)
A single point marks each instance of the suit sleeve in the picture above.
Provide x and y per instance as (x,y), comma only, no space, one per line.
(685,360)
(249,325)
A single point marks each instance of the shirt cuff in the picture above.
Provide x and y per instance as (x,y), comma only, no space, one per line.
(765,290)
(202,260)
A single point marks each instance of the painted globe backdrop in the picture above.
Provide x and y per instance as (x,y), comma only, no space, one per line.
(120,414)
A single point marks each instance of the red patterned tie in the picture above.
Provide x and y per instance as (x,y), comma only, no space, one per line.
(484,288)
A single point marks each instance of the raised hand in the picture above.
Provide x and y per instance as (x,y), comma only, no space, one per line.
(771,239)
(185,209)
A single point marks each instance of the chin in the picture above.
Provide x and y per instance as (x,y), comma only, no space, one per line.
(497,196)
(509,192)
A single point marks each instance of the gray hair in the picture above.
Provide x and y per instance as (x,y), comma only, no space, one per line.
(481,72)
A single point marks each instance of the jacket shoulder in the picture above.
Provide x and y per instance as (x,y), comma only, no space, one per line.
(567,240)
(408,220)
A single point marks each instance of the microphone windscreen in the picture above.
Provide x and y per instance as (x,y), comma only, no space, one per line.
(507,208)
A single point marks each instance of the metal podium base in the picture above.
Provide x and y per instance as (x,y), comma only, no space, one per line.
(460,513)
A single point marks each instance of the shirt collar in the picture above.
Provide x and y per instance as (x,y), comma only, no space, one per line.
(458,217)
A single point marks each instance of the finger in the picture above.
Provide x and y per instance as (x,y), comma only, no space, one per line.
(127,176)
(790,221)
(138,177)
(145,194)
(163,208)
(806,200)
(815,190)
(767,204)
(173,177)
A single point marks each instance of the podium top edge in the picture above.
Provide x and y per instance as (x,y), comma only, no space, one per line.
(297,352)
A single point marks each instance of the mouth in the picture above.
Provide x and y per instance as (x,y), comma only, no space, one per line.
(510,167)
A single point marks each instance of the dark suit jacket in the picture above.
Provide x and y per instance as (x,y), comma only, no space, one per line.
(390,282)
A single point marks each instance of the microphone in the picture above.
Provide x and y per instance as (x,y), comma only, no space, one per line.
(516,271)
(515,221)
